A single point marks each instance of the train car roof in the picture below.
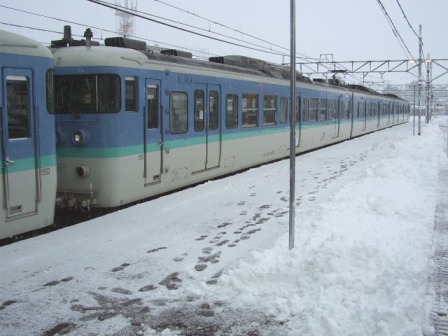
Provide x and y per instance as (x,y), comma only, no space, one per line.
(12,43)
(227,66)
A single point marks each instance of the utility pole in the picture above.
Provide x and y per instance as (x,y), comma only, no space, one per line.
(420,59)
(292,138)
(428,62)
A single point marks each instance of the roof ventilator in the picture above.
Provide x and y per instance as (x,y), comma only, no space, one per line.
(175,52)
(270,69)
(124,42)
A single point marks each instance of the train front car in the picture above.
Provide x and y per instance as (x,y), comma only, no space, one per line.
(98,128)
(28,160)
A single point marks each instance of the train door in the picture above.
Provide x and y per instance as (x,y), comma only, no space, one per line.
(299,113)
(153,141)
(363,114)
(19,151)
(207,127)
(380,109)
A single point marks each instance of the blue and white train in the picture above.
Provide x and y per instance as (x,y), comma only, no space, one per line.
(27,143)
(133,122)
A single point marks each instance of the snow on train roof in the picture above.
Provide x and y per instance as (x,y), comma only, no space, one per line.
(12,43)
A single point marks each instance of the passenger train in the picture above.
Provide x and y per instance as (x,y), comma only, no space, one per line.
(27,141)
(134,121)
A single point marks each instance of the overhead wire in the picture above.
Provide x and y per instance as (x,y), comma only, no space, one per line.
(195,27)
(220,24)
(302,56)
(130,12)
(153,41)
(406,18)
(79,24)
(395,30)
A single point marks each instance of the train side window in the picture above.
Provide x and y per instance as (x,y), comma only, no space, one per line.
(178,112)
(270,110)
(199,111)
(323,109)
(231,111)
(313,109)
(153,106)
(306,109)
(213,121)
(283,110)
(330,109)
(131,94)
(345,110)
(18,107)
(250,110)
(361,109)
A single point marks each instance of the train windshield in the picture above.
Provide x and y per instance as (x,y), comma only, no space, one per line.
(84,94)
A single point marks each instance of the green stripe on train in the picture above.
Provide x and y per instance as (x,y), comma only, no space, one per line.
(47,161)
(116,152)
(110,153)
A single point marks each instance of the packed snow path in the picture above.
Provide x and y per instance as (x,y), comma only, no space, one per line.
(214,259)
(439,277)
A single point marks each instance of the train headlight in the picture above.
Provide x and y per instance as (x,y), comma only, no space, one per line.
(80,138)
(82,171)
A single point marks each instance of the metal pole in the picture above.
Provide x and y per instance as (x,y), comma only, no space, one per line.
(413,124)
(292,141)
(431,94)
(419,79)
(428,83)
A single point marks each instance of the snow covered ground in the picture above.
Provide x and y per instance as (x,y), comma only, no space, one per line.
(214,259)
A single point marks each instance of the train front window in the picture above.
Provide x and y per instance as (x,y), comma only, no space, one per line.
(18,107)
(84,94)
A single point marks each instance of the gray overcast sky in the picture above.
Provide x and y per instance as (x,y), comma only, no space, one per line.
(348,29)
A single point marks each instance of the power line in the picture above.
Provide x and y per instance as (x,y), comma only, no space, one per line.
(406,18)
(110,31)
(198,28)
(106,4)
(28,27)
(221,24)
(302,56)
(142,14)
(82,25)
(395,30)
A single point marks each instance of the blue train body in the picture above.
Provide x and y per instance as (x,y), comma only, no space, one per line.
(112,125)
(27,142)
(136,123)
